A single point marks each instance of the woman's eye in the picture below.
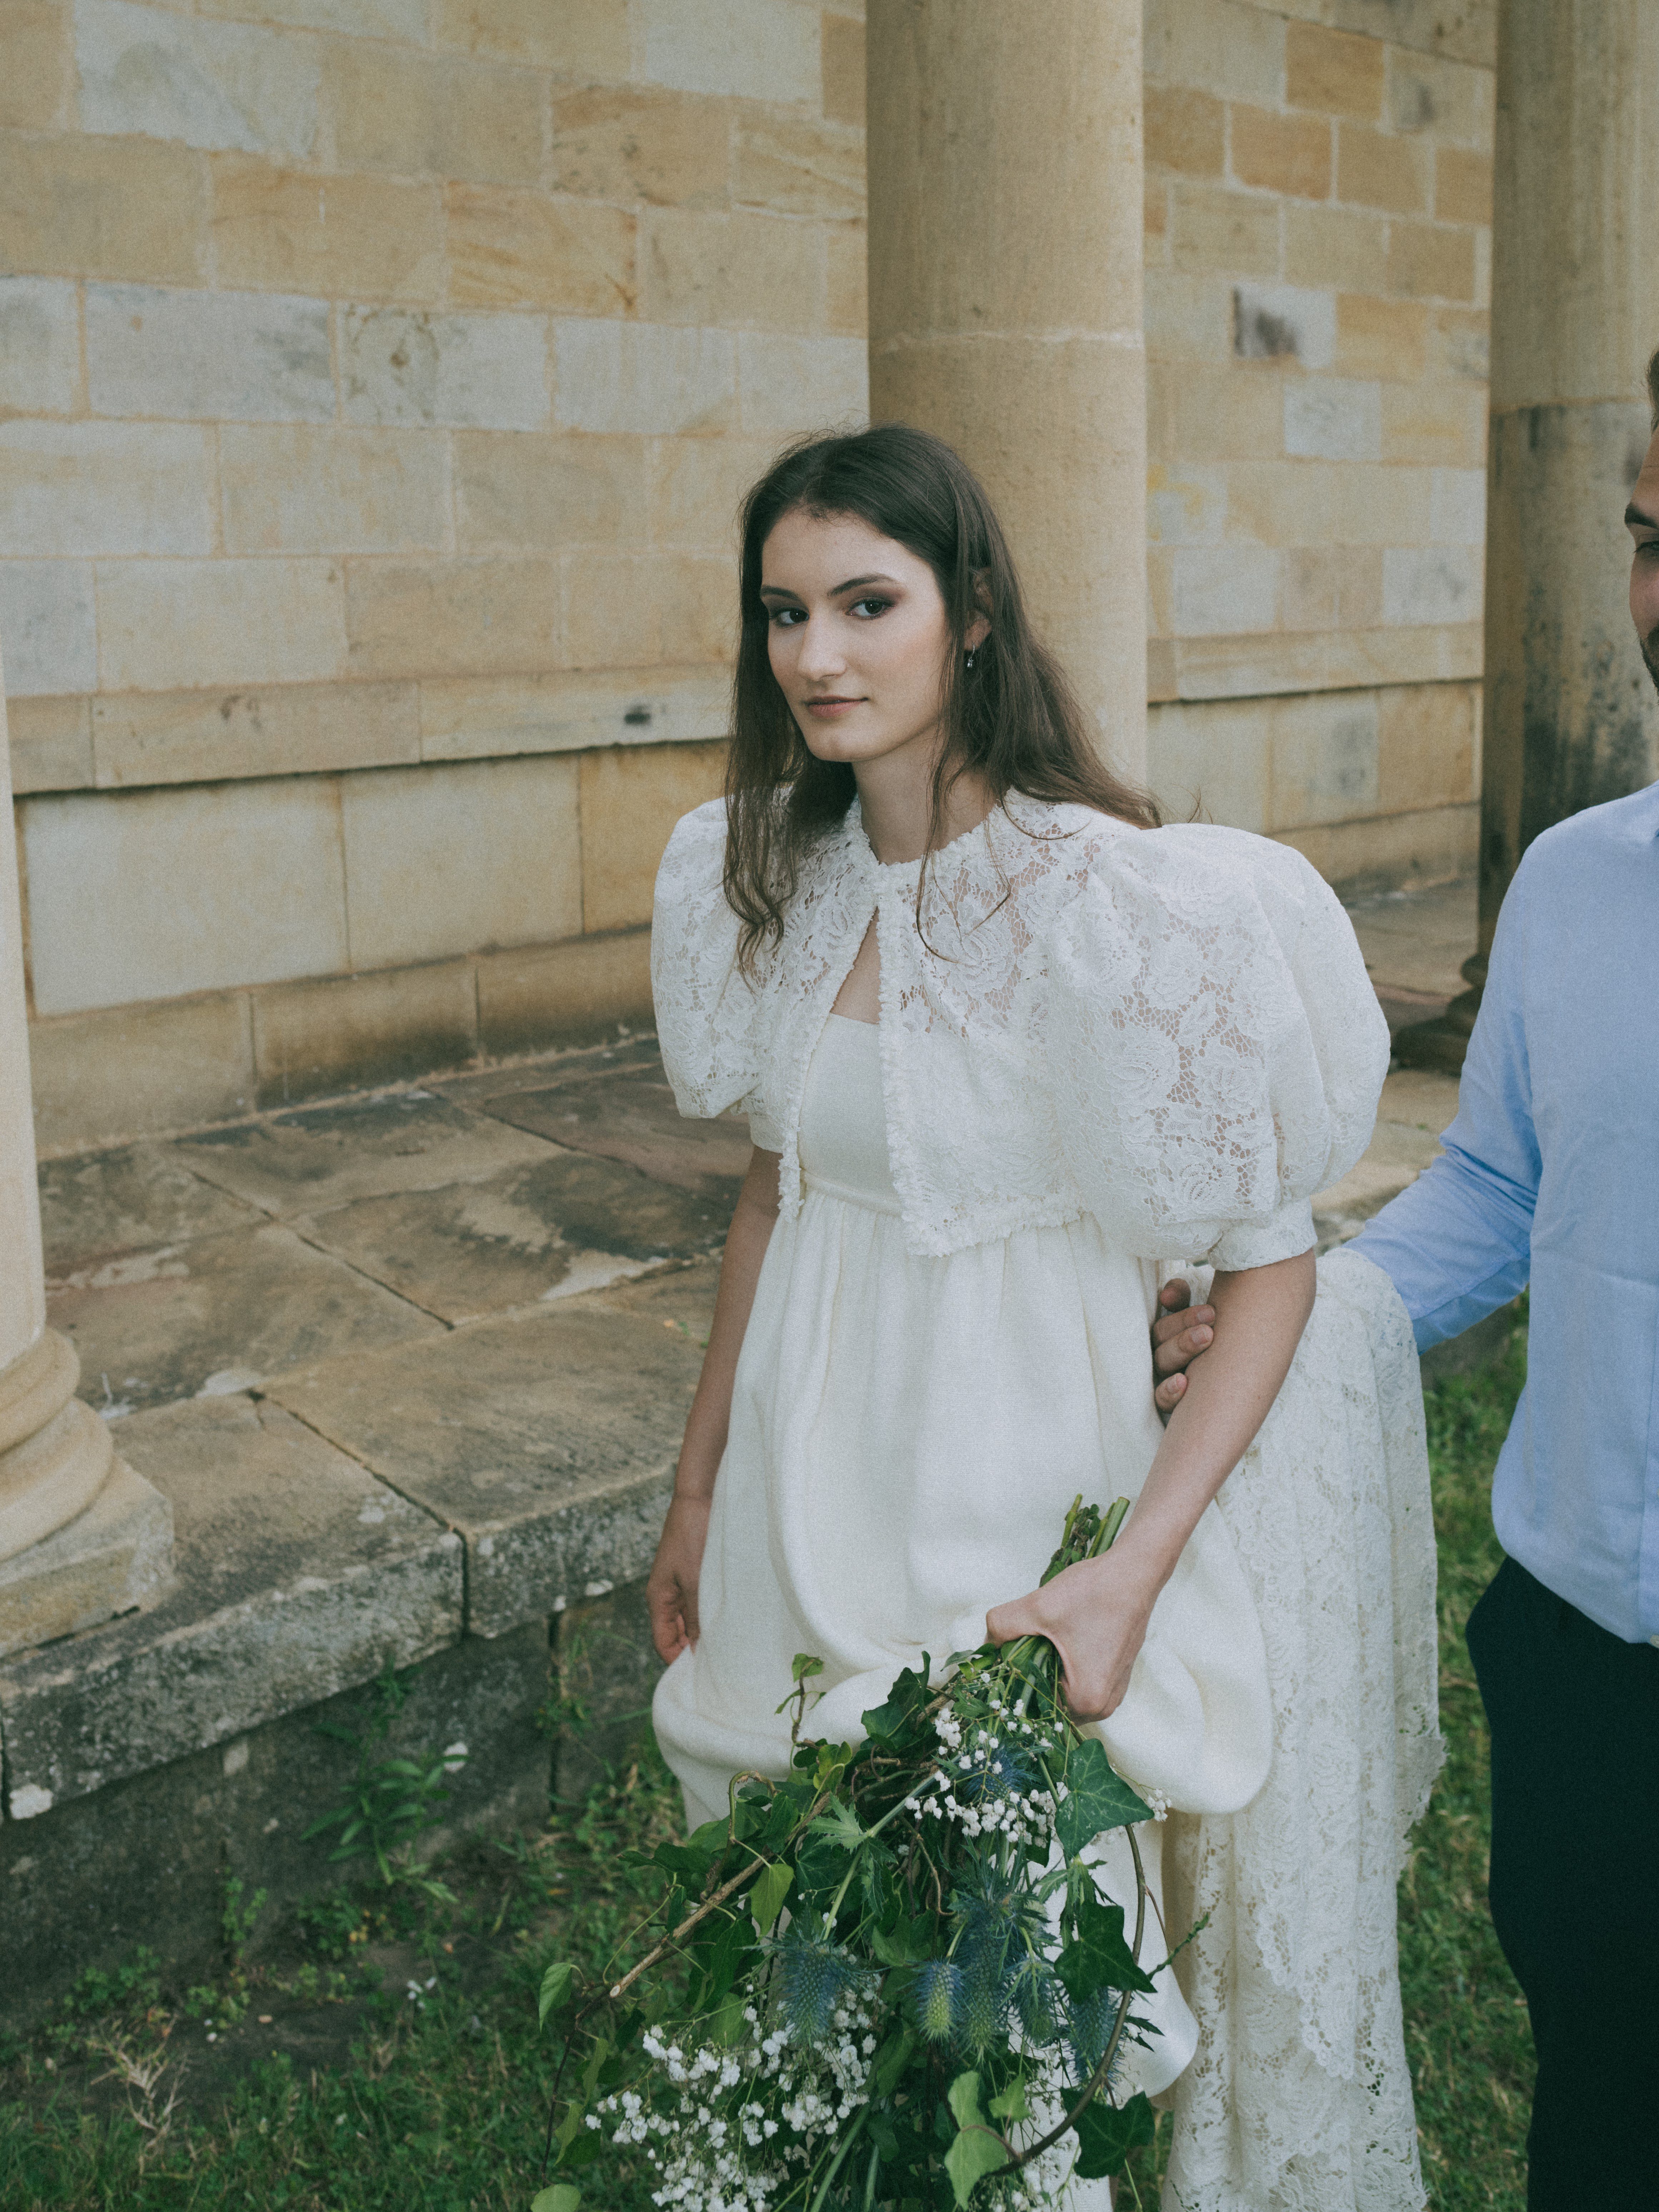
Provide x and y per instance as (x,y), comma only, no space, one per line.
(875,606)
(788,617)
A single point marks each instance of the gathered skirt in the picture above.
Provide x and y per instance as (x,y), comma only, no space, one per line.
(906,1436)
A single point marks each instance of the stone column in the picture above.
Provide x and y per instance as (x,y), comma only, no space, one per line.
(82,1536)
(1005,188)
(1570,716)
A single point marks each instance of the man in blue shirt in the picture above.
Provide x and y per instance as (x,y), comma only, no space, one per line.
(1550,1175)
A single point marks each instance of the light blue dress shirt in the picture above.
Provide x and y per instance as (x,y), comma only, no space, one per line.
(1551,1173)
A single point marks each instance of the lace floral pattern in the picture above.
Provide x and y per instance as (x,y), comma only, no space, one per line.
(1299,2099)
(1170,1030)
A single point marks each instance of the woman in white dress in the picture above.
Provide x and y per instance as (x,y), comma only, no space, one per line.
(1011,1054)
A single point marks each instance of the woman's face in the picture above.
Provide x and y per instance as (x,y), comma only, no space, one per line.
(858,636)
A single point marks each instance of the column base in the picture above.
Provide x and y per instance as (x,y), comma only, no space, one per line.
(115,1554)
(1441,1045)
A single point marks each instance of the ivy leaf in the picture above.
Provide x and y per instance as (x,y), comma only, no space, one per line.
(907,1943)
(1099,1958)
(1096,1799)
(789,1801)
(766,1898)
(1106,2135)
(562,2197)
(908,1694)
(891,2060)
(802,1671)
(556,1988)
(1011,2105)
(978,2149)
(819,1865)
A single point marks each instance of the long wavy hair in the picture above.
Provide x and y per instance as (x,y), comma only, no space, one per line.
(1012,719)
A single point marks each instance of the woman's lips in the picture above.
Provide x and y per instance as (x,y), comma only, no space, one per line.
(827,709)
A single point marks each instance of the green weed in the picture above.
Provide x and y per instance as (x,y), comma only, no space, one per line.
(439,2099)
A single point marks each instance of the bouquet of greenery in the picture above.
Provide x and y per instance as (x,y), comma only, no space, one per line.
(889,1980)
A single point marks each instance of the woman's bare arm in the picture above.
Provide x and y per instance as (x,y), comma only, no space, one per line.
(1095,1614)
(672,1591)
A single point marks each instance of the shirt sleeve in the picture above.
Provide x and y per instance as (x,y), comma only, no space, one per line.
(1457,1245)
(706,1007)
(1216,1046)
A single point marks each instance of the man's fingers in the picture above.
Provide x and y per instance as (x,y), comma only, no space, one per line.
(1168,1359)
(1168,1395)
(689,1615)
(1176,1292)
(1169,1326)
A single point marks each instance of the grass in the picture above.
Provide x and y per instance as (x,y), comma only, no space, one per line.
(315,2081)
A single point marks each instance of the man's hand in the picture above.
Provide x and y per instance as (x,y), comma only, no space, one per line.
(1179,1336)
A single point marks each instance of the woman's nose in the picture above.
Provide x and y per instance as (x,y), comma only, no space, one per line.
(820,654)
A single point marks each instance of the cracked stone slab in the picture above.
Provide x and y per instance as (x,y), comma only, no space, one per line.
(319,1157)
(680,1300)
(215,1315)
(99,1207)
(547,1439)
(536,1074)
(631,1115)
(563,1224)
(299,1575)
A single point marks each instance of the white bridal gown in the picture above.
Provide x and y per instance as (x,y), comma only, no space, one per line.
(907,1433)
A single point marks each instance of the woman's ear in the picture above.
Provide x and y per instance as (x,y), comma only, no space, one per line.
(980,628)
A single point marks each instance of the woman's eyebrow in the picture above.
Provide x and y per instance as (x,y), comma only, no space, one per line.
(852,584)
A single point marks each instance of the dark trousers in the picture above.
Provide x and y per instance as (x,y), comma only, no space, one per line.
(1574,1885)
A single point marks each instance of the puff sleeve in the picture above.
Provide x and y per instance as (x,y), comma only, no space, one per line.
(1216,1049)
(706,1007)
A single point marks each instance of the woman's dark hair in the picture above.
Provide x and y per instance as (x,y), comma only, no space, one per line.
(1012,720)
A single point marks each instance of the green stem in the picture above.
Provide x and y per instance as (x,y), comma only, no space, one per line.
(829,1916)
(836,2163)
(869,2178)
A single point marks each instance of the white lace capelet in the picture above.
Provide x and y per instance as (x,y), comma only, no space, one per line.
(1171,1030)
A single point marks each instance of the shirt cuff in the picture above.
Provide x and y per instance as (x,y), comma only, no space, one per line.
(1253,1244)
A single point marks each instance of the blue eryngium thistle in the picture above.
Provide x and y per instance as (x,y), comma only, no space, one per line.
(1003,1774)
(1034,1993)
(983,2011)
(935,1998)
(1090,2029)
(816,1978)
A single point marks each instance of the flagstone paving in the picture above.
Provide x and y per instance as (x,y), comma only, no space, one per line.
(412,1366)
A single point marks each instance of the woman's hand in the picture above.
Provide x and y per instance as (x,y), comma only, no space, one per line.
(1095,1615)
(671,1592)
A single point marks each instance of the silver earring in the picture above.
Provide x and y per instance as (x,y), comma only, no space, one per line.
(969,661)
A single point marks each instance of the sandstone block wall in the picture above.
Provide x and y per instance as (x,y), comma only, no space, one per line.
(378,381)
(1318,210)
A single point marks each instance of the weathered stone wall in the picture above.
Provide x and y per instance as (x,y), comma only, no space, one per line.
(1319,186)
(377,380)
